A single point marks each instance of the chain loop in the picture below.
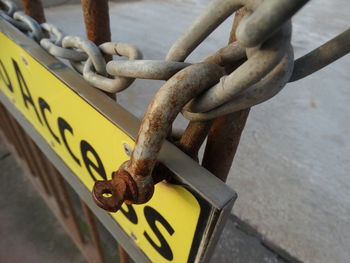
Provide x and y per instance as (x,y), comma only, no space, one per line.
(261,91)
(18,24)
(119,83)
(10,7)
(34,27)
(261,60)
(88,47)
(54,47)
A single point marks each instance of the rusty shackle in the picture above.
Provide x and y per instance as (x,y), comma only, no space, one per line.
(133,182)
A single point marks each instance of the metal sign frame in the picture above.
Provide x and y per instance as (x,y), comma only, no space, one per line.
(199,180)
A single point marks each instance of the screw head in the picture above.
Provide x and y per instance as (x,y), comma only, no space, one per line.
(127,149)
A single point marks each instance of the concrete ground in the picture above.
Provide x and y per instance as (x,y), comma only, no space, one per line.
(292,167)
(29,231)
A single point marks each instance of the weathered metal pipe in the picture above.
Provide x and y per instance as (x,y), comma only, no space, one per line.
(322,56)
(34,9)
(96,20)
(221,146)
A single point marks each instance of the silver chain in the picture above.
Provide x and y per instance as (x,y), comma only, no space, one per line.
(263,38)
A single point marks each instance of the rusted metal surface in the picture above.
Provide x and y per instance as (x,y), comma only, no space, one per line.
(61,203)
(93,231)
(163,109)
(70,211)
(17,130)
(222,143)
(123,256)
(97,25)
(160,114)
(47,169)
(179,90)
(35,9)
(110,195)
(196,131)
(96,20)
(40,170)
(193,137)
(8,131)
(225,133)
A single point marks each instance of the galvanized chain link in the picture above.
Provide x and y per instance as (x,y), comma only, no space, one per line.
(265,73)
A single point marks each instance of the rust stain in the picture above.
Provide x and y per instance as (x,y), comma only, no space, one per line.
(35,9)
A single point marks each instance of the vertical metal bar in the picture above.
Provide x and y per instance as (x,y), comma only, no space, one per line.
(22,144)
(48,174)
(225,133)
(70,209)
(40,167)
(123,256)
(194,136)
(93,230)
(5,126)
(97,26)
(10,133)
(96,18)
(57,189)
(196,132)
(222,143)
(35,9)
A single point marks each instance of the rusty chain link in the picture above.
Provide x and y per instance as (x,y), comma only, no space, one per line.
(201,91)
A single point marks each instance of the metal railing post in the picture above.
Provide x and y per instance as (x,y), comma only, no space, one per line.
(225,133)
(35,9)
(97,26)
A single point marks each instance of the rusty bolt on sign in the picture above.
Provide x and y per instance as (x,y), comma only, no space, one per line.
(110,195)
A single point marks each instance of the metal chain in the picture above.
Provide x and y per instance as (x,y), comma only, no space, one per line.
(265,73)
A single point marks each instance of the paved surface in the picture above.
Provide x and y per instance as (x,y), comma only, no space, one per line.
(292,167)
(29,231)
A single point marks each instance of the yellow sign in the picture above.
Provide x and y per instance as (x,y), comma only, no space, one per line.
(164,228)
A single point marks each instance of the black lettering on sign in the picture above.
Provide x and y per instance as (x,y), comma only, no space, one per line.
(130,214)
(85,149)
(152,216)
(45,106)
(27,97)
(3,74)
(64,126)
